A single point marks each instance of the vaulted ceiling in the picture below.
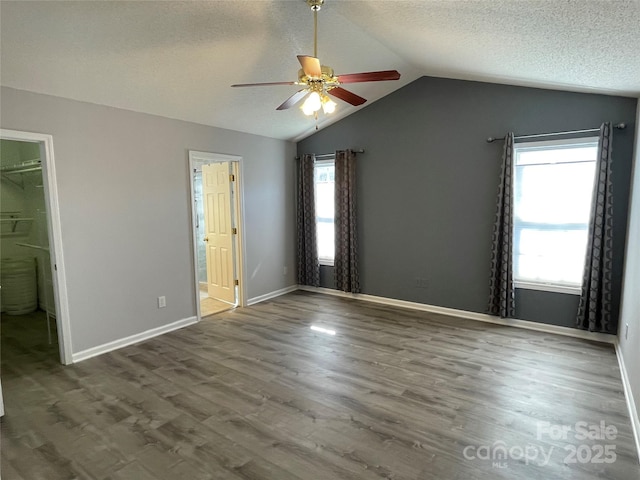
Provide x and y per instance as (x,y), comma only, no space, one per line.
(178,59)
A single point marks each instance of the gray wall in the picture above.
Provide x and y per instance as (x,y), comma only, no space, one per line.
(427,185)
(123,187)
(630,311)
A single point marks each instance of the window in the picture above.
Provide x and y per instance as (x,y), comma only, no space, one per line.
(323,176)
(553,187)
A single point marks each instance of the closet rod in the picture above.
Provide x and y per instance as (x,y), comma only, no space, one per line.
(329,155)
(619,126)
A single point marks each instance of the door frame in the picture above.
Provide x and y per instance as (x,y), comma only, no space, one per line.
(196,159)
(54,230)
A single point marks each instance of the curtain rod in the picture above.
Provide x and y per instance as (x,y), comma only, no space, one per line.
(619,126)
(319,155)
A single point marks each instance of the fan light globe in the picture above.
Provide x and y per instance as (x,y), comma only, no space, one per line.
(312,104)
(328,105)
(306,109)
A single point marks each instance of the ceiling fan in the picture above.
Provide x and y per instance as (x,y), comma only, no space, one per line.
(319,81)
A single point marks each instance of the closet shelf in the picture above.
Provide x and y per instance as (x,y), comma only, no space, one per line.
(29,166)
(37,247)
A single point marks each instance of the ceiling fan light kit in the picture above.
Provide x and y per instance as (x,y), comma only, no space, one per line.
(319,81)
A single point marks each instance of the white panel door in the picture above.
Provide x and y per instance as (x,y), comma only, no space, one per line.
(216,189)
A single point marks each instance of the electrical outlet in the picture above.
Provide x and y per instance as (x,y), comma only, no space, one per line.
(162,302)
(421,282)
(284,270)
(626,331)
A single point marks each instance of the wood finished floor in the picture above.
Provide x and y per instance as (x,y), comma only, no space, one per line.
(256,394)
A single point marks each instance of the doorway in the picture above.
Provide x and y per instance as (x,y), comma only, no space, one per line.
(34,298)
(217,217)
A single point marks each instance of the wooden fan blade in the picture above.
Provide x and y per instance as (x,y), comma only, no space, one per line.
(293,99)
(383,75)
(310,66)
(262,84)
(347,96)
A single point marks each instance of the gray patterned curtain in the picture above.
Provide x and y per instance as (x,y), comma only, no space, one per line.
(501,296)
(308,264)
(346,254)
(594,310)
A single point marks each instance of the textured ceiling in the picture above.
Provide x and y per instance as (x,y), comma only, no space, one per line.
(178,59)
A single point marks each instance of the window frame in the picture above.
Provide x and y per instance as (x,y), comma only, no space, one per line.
(543,144)
(324,261)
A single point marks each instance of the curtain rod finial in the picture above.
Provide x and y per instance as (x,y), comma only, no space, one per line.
(620,126)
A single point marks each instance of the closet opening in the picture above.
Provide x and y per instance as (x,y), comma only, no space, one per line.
(34,317)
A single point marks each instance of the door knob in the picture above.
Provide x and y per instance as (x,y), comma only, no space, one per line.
(206,239)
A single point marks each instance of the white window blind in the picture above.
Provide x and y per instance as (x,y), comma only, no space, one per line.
(553,188)
(324,179)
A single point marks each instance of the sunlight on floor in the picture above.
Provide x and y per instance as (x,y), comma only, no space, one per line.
(209,306)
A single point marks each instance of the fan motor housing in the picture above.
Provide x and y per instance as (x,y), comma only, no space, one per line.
(315,4)
(328,78)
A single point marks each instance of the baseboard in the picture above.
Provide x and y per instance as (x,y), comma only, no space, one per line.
(270,295)
(631,405)
(138,337)
(481,317)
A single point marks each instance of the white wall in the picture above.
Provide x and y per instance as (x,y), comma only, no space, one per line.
(630,310)
(123,186)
